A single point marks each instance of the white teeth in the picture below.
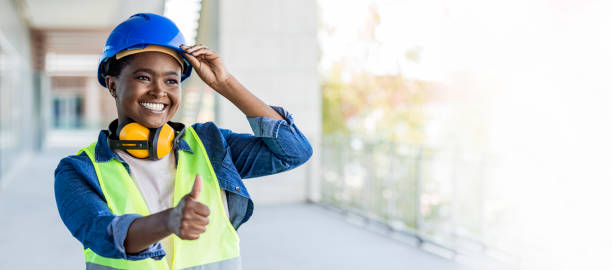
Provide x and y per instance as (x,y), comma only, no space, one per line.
(153,106)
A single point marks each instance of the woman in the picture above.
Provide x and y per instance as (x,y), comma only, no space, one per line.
(154,194)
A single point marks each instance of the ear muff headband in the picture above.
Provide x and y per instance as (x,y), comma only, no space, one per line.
(153,139)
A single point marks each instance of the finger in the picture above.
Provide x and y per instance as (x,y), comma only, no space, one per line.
(197,187)
(207,53)
(192,59)
(198,230)
(195,228)
(195,209)
(190,236)
(194,225)
(200,209)
(196,47)
(198,221)
(193,232)
(195,235)
(185,47)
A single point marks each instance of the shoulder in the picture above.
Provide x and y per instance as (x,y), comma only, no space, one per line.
(210,133)
(75,170)
(205,127)
(210,128)
(78,162)
(214,140)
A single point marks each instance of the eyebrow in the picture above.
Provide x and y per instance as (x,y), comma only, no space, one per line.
(150,71)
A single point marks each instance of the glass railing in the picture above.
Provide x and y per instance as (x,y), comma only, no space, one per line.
(439,196)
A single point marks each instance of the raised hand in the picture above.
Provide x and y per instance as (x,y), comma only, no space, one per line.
(207,64)
(211,70)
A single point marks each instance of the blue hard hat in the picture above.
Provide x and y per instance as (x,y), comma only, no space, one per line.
(139,31)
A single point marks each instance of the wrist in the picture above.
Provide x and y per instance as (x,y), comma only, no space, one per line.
(165,217)
(174,217)
(223,85)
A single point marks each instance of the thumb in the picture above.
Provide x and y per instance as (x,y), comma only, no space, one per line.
(197,187)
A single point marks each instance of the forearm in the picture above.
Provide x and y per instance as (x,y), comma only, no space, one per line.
(276,146)
(242,98)
(145,231)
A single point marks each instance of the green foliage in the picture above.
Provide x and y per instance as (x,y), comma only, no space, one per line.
(333,116)
(375,106)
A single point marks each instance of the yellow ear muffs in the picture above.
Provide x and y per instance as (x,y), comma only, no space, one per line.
(163,141)
(135,132)
(142,142)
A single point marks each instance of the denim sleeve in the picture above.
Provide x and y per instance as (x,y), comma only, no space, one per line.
(88,218)
(277,146)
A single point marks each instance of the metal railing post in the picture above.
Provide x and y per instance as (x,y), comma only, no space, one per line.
(418,188)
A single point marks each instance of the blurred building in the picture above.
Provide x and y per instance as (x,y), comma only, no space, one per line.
(19,98)
(49,53)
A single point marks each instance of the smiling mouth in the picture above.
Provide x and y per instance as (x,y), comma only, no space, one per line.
(154,107)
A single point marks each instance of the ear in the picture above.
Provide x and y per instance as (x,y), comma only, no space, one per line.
(111,84)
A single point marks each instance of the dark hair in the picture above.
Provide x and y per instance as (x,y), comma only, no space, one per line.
(113,67)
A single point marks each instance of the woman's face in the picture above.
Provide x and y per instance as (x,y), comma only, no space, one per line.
(148,89)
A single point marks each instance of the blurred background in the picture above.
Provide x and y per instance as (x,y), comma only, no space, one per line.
(465,134)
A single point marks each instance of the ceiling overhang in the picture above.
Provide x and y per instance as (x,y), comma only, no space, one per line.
(84,14)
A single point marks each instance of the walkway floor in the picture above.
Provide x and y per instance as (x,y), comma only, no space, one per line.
(300,236)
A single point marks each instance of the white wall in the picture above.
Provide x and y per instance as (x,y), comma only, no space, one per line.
(271,47)
(17,112)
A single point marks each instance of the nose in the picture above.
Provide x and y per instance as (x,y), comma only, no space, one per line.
(158,90)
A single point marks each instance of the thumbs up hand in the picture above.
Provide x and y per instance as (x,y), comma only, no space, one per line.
(189,218)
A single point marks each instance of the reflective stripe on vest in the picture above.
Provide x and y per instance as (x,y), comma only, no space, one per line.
(217,248)
(234,263)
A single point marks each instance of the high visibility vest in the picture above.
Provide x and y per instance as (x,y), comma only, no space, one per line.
(217,248)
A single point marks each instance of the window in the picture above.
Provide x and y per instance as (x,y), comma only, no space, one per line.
(67,111)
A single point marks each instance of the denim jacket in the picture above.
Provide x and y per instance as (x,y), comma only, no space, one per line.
(276,146)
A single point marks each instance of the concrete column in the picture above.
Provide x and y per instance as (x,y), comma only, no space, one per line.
(92,103)
(271,47)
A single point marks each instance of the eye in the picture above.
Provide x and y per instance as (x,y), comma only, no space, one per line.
(172,81)
(143,78)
